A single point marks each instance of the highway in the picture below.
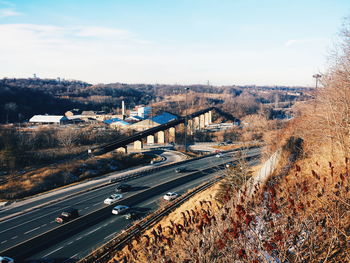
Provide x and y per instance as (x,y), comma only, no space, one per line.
(30,203)
(28,225)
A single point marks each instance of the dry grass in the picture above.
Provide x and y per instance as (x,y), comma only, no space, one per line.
(51,177)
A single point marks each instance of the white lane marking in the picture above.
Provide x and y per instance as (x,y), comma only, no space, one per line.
(111,235)
(43,225)
(86,207)
(54,211)
(69,243)
(72,257)
(52,252)
(96,204)
(3,242)
(33,219)
(32,230)
(14,237)
(78,238)
(92,231)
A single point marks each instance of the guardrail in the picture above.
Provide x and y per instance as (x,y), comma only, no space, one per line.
(106,251)
(121,179)
(35,244)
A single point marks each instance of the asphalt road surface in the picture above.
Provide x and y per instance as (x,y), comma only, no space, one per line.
(23,227)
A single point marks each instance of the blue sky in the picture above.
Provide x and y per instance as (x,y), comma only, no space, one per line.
(225,42)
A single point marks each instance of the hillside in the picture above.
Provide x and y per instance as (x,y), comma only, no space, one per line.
(295,210)
(22,98)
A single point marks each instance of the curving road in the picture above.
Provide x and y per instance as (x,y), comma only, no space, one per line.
(23,227)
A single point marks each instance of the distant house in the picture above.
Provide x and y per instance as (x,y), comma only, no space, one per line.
(49,119)
(75,119)
(88,113)
(163,118)
(117,123)
(155,121)
(141,111)
(133,119)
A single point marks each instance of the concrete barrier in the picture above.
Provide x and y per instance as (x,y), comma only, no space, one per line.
(36,244)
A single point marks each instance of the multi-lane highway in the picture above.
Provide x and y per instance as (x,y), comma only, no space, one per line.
(23,227)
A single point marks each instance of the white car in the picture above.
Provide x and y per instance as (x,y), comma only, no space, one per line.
(113,198)
(119,209)
(219,155)
(170,196)
(6,260)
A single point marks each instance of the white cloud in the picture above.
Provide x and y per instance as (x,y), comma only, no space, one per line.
(6,12)
(103,54)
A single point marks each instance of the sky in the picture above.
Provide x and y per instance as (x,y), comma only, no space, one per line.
(225,42)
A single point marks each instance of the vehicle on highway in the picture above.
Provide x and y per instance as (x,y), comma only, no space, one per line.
(221,144)
(170,196)
(228,142)
(219,155)
(113,180)
(229,165)
(112,199)
(180,170)
(122,188)
(67,215)
(6,260)
(119,209)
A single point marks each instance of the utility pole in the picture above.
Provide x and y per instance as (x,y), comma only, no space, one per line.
(186,90)
(317,77)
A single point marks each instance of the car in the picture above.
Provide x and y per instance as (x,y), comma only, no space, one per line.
(6,260)
(228,165)
(67,215)
(112,199)
(122,188)
(170,196)
(218,155)
(221,144)
(113,180)
(180,170)
(119,209)
(228,142)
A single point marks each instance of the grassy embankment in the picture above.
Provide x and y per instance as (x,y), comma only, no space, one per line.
(51,177)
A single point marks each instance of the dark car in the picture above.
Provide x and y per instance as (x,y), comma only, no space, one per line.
(122,188)
(180,170)
(67,215)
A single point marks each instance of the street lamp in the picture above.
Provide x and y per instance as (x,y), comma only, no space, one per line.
(317,77)
(186,90)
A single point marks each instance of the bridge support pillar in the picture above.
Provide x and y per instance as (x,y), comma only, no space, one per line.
(196,123)
(138,145)
(210,116)
(201,122)
(150,139)
(206,118)
(123,150)
(172,134)
(161,137)
(190,129)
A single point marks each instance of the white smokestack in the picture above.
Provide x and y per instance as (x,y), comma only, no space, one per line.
(123,108)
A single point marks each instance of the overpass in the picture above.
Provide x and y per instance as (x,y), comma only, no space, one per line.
(195,121)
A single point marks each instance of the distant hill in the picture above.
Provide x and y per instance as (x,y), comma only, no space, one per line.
(20,99)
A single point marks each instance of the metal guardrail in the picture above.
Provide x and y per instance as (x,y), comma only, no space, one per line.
(106,251)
